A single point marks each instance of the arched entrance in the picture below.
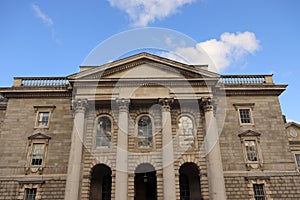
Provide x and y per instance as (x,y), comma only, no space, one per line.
(145,182)
(189,182)
(100,188)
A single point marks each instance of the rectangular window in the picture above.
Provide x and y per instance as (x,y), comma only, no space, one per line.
(298,159)
(245,116)
(259,192)
(37,154)
(251,150)
(30,194)
(43,119)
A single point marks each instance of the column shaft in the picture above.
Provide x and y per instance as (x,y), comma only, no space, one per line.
(121,192)
(167,151)
(214,162)
(75,158)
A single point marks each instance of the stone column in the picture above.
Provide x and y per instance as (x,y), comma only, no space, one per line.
(121,192)
(167,151)
(213,154)
(75,157)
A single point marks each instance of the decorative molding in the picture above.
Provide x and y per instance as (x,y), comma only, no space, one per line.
(166,104)
(43,107)
(249,133)
(207,104)
(39,136)
(123,104)
(80,105)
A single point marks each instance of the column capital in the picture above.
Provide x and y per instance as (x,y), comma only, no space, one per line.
(80,105)
(123,104)
(166,103)
(208,104)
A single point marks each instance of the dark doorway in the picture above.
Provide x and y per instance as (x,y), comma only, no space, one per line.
(189,182)
(145,183)
(100,183)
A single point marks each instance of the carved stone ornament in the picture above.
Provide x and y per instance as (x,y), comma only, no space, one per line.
(166,103)
(123,104)
(207,104)
(80,105)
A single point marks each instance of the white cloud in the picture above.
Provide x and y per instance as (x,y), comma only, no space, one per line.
(142,12)
(230,48)
(46,20)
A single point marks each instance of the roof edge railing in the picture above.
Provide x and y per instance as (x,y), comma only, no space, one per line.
(246,80)
(41,82)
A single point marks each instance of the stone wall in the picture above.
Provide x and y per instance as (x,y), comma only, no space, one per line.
(268,122)
(18,125)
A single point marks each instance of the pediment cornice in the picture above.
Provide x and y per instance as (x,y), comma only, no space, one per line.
(249,133)
(99,72)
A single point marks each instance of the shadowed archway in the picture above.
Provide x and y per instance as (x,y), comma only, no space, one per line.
(100,188)
(189,182)
(145,182)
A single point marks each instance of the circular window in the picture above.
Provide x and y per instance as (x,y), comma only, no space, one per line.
(293,133)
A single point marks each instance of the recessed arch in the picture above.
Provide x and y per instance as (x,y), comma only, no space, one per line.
(101,179)
(189,182)
(145,183)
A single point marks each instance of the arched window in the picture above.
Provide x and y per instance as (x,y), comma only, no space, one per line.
(186,131)
(145,132)
(103,132)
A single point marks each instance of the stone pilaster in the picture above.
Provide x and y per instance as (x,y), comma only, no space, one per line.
(169,189)
(121,192)
(75,158)
(213,153)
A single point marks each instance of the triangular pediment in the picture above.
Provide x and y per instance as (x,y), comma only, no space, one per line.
(39,136)
(292,124)
(143,65)
(249,133)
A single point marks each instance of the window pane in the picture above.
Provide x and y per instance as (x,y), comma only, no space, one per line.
(186,131)
(144,132)
(43,118)
(298,159)
(245,116)
(37,154)
(259,192)
(30,194)
(251,150)
(103,135)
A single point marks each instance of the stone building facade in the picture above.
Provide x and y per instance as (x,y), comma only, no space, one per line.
(146,127)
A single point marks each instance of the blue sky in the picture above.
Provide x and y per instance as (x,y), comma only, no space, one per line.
(53,37)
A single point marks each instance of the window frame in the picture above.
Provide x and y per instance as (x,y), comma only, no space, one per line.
(259,196)
(296,161)
(26,195)
(251,136)
(43,109)
(245,106)
(152,132)
(95,132)
(31,184)
(40,155)
(194,131)
(38,138)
